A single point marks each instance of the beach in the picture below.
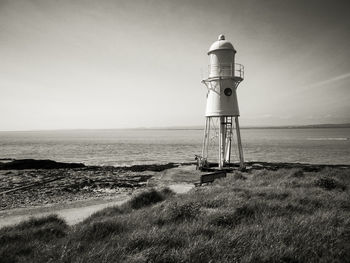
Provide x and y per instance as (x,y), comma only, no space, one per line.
(34,188)
(75,193)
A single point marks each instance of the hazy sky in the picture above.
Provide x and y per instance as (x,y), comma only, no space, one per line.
(119,64)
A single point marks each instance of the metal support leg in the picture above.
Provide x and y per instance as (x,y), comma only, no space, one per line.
(222,133)
(208,141)
(205,145)
(239,142)
(228,140)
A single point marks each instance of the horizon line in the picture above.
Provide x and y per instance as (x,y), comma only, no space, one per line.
(194,127)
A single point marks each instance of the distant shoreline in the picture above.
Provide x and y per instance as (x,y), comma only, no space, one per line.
(199,127)
(320,126)
(326,126)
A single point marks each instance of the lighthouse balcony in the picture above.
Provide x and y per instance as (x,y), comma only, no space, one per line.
(226,70)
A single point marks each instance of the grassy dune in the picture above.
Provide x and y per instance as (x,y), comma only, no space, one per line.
(262,216)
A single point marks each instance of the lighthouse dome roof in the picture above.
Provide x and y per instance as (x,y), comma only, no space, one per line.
(221,43)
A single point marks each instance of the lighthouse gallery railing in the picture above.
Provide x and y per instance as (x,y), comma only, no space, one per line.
(226,70)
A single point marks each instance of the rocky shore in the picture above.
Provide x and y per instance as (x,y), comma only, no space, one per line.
(31,183)
(28,183)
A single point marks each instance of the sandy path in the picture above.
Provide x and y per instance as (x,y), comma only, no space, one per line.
(74,212)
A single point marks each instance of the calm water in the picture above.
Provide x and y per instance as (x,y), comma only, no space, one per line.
(128,147)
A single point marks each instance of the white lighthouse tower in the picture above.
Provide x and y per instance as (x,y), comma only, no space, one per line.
(224,76)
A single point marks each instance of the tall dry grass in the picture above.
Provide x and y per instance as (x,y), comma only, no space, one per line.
(262,216)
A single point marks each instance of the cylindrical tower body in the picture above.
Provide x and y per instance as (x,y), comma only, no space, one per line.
(223,79)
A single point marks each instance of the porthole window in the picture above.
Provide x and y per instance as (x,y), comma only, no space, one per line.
(228,92)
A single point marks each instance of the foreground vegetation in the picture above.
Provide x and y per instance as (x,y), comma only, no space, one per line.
(261,216)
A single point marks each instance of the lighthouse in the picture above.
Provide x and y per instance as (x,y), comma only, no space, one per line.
(222,112)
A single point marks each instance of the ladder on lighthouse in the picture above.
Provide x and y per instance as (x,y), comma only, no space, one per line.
(228,139)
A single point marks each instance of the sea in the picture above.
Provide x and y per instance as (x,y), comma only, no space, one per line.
(126,147)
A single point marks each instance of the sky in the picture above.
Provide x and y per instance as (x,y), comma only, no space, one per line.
(124,64)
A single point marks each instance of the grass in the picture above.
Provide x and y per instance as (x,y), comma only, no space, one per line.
(32,239)
(262,216)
